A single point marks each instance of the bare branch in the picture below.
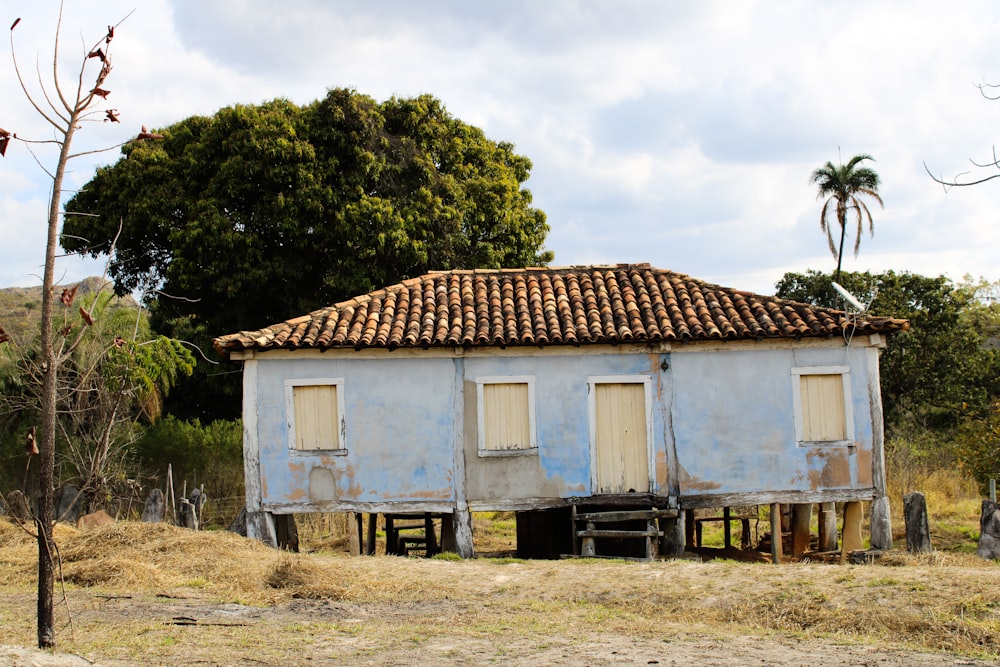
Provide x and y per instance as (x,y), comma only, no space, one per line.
(982,90)
(39,162)
(24,88)
(55,63)
(956,182)
(97,150)
(171,296)
(201,353)
(994,163)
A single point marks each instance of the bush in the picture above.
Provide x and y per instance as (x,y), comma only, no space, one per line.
(209,454)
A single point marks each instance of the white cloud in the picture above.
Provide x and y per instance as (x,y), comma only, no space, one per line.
(677,133)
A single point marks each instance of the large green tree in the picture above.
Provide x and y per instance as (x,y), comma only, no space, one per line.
(265,212)
(844,187)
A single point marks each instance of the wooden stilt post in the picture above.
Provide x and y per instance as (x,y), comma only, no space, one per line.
(587,549)
(462,519)
(689,528)
(372,527)
(801,536)
(431,544)
(726,528)
(851,539)
(827,527)
(354,534)
(775,533)
(576,542)
(448,543)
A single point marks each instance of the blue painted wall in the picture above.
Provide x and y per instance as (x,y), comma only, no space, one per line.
(727,415)
(400,430)
(734,423)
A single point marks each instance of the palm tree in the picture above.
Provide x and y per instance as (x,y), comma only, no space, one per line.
(843,187)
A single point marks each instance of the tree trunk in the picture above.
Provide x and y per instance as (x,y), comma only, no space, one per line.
(50,376)
(842,219)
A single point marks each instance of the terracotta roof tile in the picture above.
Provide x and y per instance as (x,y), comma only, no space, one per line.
(551,306)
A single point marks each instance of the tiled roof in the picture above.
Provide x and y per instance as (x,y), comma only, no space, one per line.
(626,303)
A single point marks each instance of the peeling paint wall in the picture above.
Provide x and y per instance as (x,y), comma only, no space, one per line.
(561,467)
(734,423)
(723,422)
(399,433)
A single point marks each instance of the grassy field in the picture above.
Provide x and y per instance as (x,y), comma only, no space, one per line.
(155,594)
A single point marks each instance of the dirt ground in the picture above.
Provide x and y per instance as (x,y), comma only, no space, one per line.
(189,632)
(140,594)
(188,620)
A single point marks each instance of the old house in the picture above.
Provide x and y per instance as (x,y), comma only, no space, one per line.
(583,398)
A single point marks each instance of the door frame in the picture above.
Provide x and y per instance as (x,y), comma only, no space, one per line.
(647,382)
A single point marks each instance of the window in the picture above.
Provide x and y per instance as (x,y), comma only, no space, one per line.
(315,413)
(506,414)
(823,408)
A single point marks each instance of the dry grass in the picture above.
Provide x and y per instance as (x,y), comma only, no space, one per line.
(939,601)
(953,508)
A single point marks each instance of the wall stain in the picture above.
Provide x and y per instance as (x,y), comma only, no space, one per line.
(864,458)
(349,487)
(689,483)
(829,468)
(322,485)
(661,468)
(297,474)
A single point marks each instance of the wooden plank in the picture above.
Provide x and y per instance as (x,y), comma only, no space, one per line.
(697,501)
(376,507)
(732,517)
(627,515)
(618,533)
(632,559)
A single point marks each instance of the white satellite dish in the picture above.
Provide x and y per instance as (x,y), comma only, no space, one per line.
(850,298)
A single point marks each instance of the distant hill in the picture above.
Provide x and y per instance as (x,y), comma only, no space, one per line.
(21,307)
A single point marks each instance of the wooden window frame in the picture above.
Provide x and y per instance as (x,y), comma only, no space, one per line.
(290,386)
(532,448)
(845,375)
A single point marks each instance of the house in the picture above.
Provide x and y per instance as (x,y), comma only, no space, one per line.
(560,392)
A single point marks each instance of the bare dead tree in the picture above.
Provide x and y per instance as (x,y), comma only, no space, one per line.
(965,179)
(65,109)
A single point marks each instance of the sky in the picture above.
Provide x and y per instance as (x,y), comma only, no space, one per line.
(682,134)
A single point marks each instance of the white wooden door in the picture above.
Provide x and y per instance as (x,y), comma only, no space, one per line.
(621,437)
